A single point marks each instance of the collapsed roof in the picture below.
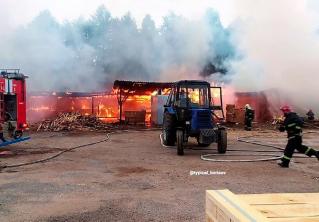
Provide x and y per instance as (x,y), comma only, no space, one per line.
(138,87)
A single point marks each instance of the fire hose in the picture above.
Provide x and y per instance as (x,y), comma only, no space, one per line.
(203,156)
(269,157)
(57,154)
(67,150)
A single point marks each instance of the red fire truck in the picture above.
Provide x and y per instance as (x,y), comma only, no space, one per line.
(13,99)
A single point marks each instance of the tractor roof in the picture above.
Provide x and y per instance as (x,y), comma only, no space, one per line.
(192,82)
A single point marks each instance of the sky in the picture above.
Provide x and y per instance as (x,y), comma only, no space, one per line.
(20,12)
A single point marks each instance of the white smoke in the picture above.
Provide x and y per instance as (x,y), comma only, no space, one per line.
(279,43)
(89,54)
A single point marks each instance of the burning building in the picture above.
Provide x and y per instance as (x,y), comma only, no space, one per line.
(126,96)
(135,102)
(42,105)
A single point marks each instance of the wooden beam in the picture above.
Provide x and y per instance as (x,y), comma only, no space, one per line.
(224,206)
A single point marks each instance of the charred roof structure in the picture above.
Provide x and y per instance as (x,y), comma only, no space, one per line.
(137,87)
(68,94)
(126,88)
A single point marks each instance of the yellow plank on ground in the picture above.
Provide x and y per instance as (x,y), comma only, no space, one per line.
(299,219)
(280,198)
(288,210)
(224,206)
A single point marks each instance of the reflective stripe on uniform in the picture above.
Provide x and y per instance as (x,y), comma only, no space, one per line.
(292,137)
(291,125)
(307,151)
(298,127)
(285,157)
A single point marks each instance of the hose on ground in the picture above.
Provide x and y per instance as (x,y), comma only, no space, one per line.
(57,154)
(203,156)
(271,157)
(70,149)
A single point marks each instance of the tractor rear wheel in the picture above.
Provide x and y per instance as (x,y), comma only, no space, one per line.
(169,136)
(222,141)
(180,142)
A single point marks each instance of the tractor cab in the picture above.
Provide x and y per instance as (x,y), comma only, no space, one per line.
(191,112)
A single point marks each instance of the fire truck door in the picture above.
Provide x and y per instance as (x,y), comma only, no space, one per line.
(10,106)
(2,111)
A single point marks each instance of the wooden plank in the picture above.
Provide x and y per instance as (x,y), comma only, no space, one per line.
(295,219)
(280,198)
(224,206)
(285,206)
(288,210)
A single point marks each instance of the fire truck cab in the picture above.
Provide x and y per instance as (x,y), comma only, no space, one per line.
(13,101)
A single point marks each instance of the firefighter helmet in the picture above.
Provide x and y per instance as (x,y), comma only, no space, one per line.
(285,109)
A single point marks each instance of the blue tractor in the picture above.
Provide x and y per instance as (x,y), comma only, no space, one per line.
(190,111)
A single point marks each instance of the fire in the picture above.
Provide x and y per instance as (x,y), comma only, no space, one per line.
(104,106)
(194,96)
(41,108)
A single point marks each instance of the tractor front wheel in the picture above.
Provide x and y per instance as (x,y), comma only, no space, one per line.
(180,142)
(222,141)
(168,130)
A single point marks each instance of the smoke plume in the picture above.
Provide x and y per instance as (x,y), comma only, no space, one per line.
(89,54)
(279,48)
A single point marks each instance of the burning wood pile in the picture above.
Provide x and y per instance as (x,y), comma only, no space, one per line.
(74,121)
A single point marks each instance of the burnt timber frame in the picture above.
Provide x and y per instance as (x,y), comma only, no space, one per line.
(125,88)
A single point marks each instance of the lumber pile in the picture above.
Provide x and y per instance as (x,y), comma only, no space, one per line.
(224,206)
(234,115)
(73,121)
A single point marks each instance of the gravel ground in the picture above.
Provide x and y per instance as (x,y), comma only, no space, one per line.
(133,178)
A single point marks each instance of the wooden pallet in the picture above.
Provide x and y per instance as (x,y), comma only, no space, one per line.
(224,206)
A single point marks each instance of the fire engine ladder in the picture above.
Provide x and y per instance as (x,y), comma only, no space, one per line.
(17,71)
(12,74)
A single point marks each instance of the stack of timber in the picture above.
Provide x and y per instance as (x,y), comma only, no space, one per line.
(73,121)
(224,206)
(135,117)
(234,115)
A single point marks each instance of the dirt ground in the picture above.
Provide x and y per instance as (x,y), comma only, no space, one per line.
(132,177)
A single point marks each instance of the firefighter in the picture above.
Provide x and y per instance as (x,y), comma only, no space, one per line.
(292,124)
(5,127)
(1,134)
(249,117)
(310,115)
(8,127)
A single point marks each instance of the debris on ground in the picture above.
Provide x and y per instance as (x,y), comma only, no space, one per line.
(73,121)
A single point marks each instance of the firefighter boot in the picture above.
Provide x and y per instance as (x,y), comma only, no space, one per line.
(311,152)
(284,163)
